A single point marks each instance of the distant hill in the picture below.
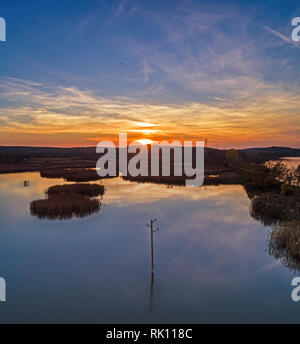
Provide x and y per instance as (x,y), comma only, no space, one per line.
(47,150)
(212,156)
(274,152)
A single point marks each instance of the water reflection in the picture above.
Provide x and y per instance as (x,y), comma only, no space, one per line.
(210,255)
(289,161)
(151,302)
(282,240)
(284,244)
(276,211)
(168,181)
(282,214)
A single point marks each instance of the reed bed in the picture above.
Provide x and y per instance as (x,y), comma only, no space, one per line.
(90,190)
(64,206)
(284,244)
(275,206)
(71,175)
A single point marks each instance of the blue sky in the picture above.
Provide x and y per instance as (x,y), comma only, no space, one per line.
(190,68)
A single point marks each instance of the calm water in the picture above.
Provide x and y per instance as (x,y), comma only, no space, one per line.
(289,161)
(293,162)
(211,263)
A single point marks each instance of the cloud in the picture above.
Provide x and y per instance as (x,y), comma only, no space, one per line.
(120,8)
(259,116)
(200,73)
(122,12)
(286,39)
(195,56)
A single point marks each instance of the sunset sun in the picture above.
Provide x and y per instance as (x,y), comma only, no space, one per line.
(145,141)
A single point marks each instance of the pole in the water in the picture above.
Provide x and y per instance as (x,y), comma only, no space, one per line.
(153,230)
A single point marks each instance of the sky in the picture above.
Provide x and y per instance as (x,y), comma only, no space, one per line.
(74,73)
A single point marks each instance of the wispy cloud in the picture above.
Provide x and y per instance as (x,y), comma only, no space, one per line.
(196,56)
(120,8)
(285,38)
(39,109)
(195,71)
(122,12)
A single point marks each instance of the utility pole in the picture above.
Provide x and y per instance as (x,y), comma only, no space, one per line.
(153,230)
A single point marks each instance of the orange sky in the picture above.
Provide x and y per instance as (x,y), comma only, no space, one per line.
(223,71)
(72,117)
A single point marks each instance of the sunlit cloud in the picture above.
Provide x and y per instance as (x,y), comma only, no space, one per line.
(144,131)
(269,114)
(205,73)
(143,124)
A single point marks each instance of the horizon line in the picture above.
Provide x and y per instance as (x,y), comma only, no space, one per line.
(94,146)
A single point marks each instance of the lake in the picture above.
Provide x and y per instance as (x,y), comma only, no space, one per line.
(211,259)
(289,161)
(293,162)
